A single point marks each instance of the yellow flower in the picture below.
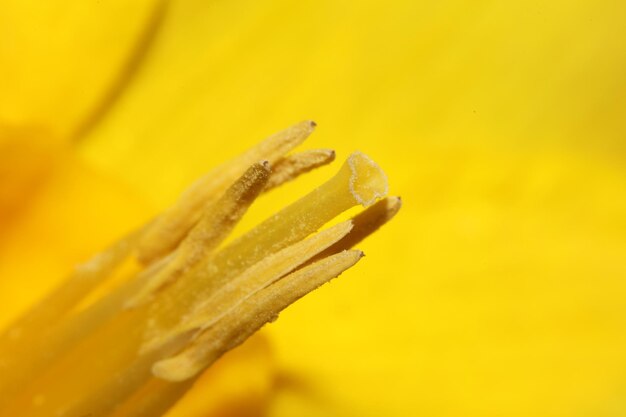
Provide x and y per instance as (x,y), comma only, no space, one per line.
(498,291)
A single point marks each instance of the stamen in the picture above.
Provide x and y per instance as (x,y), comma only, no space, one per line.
(155,398)
(191,301)
(248,317)
(84,279)
(214,226)
(21,352)
(292,166)
(358,181)
(366,223)
(172,226)
(259,276)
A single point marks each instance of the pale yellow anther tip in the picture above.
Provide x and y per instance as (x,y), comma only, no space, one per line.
(394,203)
(307,126)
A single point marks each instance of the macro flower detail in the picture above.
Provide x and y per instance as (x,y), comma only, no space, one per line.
(131,329)
(498,291)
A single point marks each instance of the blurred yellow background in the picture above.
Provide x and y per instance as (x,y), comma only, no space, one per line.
(499,288)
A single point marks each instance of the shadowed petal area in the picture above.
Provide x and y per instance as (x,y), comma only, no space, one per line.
(71,213)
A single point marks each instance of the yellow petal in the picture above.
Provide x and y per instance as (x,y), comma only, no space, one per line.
(60,65)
